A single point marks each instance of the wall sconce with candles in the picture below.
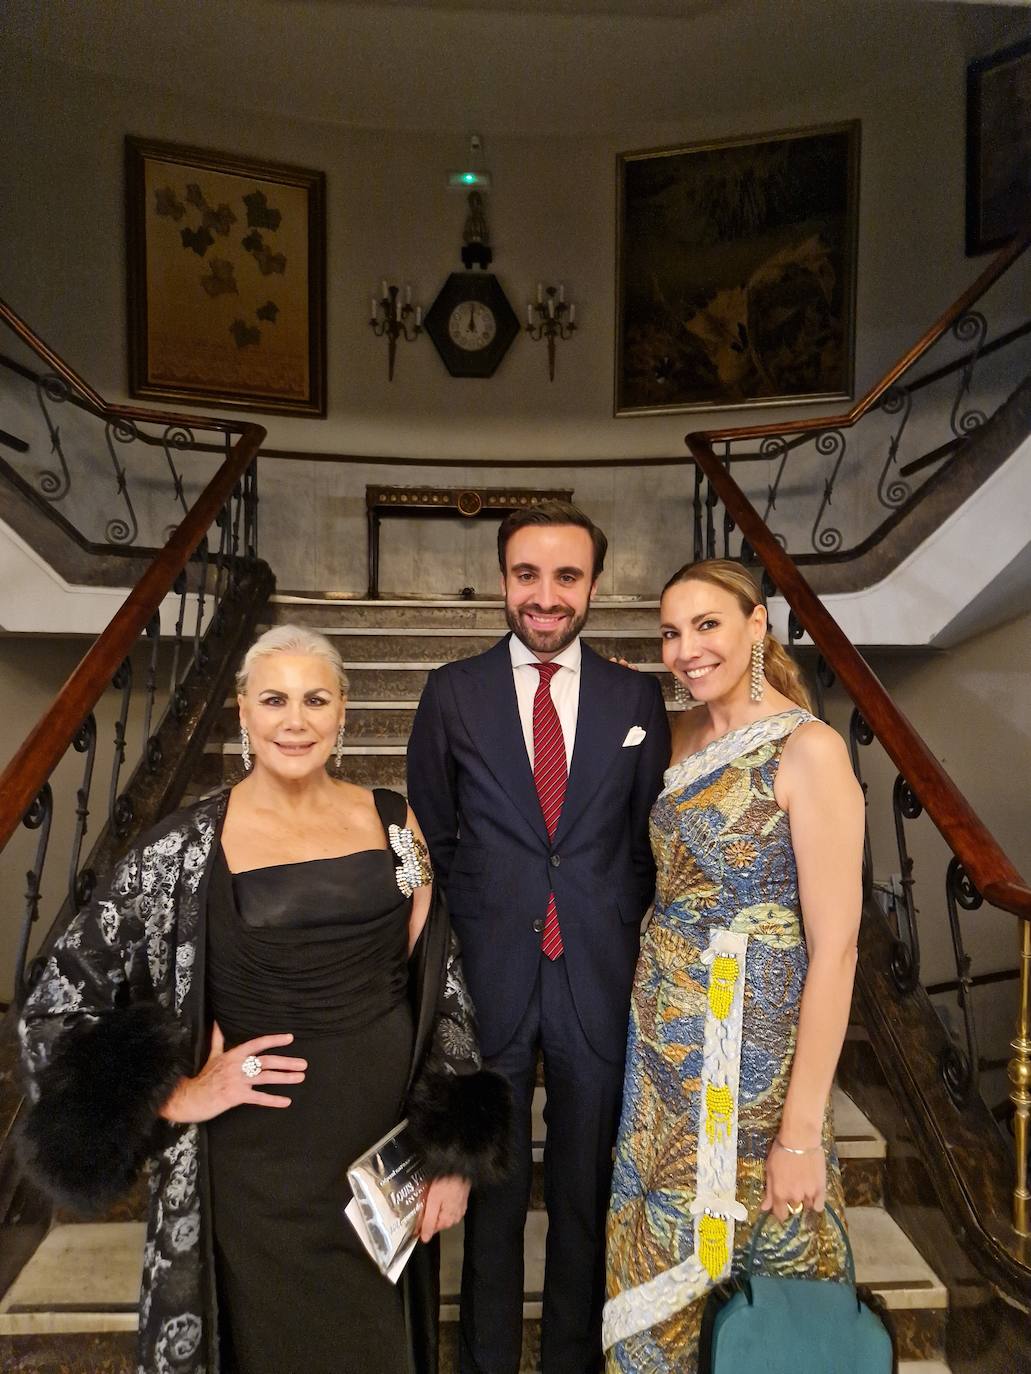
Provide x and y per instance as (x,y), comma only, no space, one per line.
(551,318)
(395,319)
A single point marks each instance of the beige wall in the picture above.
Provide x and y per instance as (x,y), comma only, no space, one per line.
(972,705)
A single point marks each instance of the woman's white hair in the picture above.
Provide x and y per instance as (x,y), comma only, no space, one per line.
(291,639)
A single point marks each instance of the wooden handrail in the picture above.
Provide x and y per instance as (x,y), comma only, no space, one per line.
(995,269)
(969,839)
(31,766)
(95,401)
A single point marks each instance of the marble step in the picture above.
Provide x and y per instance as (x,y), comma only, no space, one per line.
(85,1279)
(364,644)
(485,614)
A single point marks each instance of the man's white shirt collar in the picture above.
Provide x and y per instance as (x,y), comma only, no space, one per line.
(568,658)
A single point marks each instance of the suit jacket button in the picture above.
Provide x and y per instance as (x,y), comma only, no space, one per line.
(538,925)
(555,861)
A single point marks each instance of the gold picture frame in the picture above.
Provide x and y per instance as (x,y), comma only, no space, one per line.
(226,279)
(736,272)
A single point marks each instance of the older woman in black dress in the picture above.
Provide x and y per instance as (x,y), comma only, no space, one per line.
(266,986)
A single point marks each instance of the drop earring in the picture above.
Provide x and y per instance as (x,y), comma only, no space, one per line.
(338,752)
(758,667)
(245,748)
(681,695)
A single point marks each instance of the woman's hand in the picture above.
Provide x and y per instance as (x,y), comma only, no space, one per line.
(794,1179)
(446,1201)
(222,1083)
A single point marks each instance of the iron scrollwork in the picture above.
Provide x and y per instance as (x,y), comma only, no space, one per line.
(831,444)
(969,328)
(960,1068)
(905,962)
(119,529)
(53,485)
(893,493)
(39,817)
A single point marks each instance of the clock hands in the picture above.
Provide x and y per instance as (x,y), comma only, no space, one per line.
(472,317)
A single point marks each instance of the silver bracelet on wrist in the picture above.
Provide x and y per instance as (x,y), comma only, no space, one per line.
(812,1150)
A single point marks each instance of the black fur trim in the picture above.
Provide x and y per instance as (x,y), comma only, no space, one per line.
(95,1121)
(462,1125)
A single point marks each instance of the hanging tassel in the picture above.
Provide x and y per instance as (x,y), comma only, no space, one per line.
(719,1112)
(722,978)
(712,1244)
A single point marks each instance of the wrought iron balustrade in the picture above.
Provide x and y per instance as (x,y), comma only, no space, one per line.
(158,672)
(831,488)
(121,482)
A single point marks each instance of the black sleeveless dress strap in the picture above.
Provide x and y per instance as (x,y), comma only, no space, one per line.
(392,807)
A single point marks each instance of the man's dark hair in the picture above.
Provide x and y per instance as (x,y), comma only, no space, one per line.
(554,513)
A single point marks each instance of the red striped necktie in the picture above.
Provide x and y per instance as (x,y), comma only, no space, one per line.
(549,776)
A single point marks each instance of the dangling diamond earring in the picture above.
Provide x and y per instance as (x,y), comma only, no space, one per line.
(758,666)
(680,693)
(338,752)
(245,748)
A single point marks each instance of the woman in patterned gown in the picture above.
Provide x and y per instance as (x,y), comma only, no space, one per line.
(743,987)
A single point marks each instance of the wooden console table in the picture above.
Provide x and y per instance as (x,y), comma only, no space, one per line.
(467,503)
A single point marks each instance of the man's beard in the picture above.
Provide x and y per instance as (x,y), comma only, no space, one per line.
(547,642)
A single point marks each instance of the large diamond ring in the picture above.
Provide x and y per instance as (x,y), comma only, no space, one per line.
(251,1066)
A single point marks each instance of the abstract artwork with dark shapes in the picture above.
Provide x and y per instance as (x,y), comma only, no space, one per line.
(736,272)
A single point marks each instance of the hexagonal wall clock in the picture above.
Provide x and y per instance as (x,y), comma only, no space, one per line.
(471,324)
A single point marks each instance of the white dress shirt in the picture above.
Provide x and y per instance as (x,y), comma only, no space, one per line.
(565,690)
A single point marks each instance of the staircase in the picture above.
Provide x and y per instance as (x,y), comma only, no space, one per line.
(74,1306)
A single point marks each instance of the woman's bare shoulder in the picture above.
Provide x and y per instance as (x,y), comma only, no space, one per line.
(687,729)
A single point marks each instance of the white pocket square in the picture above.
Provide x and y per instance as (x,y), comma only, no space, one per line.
(634,736)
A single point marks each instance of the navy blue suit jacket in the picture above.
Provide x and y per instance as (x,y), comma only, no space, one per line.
(471,787)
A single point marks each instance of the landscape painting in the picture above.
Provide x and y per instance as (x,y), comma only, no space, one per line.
(226,279)
(736,272)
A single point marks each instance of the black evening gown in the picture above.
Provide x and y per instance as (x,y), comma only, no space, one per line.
(319,949)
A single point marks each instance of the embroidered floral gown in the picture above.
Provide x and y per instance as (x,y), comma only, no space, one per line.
(712,1034)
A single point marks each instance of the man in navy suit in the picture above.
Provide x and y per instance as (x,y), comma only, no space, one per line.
(532,769)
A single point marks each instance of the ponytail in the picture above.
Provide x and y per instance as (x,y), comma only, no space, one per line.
(783,673)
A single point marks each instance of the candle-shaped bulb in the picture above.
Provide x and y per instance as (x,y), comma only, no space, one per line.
(551,305)
(372,310)
(418,316)
(572,314)
(383,288)
(529,315)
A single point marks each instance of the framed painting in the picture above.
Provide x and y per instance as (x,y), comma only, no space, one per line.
(226,263)
(736,272)
(998,147)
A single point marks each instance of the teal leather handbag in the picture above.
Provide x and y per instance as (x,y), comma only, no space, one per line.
(794,1326)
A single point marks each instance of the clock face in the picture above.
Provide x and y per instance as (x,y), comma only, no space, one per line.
(472,325)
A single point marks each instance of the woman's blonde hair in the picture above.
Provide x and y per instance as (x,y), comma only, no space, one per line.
(292,639)
(781,670)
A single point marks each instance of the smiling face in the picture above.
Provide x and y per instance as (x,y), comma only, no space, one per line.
(548,585)
(707,639)
(292,709)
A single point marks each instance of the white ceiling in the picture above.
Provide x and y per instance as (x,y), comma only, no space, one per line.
(497,66)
